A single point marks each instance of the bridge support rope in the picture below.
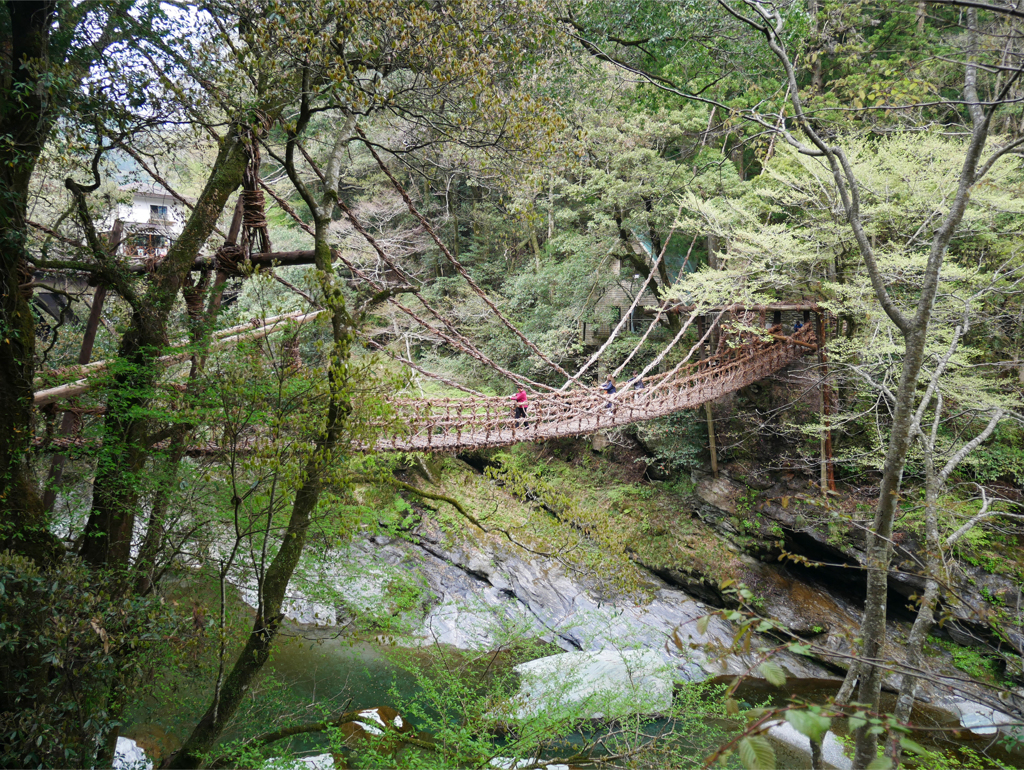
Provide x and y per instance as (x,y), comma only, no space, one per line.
(455,425)
(478,423)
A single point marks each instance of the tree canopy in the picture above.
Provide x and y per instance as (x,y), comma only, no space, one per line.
(344,203)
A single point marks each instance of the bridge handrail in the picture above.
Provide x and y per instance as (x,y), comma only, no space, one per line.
(427,418)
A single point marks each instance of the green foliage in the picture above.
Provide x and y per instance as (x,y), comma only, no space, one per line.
(756,753)
(678,442)
(979,546)
(470,707)
(567,177)
(1001,458)
(622,520)
(811,722)
(969,660)
(961,758)
(75,650)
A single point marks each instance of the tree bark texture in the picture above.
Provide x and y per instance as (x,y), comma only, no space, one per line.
(42,63)
(67,425)
(915,336)
(117,487)
(25,123)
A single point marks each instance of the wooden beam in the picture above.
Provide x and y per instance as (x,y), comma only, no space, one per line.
(801,343)
(68,419)
(806,306)
(236,223)
(49,395)
(258,259)
(86,369)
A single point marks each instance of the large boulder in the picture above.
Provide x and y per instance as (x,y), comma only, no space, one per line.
(128,755)
(595,685)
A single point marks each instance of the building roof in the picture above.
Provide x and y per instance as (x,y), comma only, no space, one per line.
(151,189)
(172,230)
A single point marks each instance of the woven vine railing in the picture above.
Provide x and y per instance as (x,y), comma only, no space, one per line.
(447,425)
(454,425)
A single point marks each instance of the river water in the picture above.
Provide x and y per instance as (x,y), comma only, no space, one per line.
(317,671)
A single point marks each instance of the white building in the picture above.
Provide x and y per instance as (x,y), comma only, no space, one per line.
(152,221)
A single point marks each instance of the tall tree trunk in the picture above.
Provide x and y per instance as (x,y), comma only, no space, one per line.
(935,481)
(914,330)
(656,244)
(116,491)
(914,658)
(268,616)
(25,123)
(925,613)
(879,550)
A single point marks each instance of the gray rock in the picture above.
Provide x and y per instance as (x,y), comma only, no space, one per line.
(793,749)
(567,612)
(128,755)
(595,685)
(978,718)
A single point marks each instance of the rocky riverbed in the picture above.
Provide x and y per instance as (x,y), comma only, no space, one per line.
(449,584)
(473,592)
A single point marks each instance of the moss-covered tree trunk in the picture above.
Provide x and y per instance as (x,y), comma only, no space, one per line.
(229,694)
(25,123)
(108,532)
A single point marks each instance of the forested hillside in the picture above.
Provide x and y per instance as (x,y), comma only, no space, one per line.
(706,315)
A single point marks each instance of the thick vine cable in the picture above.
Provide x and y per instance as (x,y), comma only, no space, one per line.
(466,345)
(622,321)
(432,375)
(657,317)
(455,263)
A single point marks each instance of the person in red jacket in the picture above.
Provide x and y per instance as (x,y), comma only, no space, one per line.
(519,407)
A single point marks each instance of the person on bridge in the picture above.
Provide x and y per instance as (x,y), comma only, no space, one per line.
(519,407)
(609,388)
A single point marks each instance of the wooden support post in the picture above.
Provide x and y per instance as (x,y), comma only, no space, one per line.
(701,328)
(217,290)
(68,420)
(711,439)
(828,476)
(236,222)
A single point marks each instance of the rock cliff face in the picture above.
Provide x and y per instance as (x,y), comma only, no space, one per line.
(783,518)
(477,588)
(477,591)
(808,576)
(798,553)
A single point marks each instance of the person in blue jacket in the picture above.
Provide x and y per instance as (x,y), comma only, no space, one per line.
(609,388)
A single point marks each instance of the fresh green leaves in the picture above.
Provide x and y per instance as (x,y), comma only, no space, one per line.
(773,672)
(756,753)
(810,722)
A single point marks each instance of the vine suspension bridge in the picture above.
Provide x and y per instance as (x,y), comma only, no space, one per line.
(446,425)
(478,421)
(739,349)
